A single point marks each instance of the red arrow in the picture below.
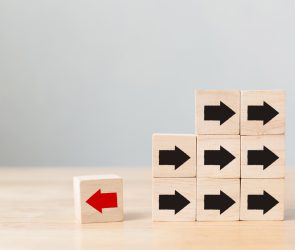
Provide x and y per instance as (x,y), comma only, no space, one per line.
(103,200)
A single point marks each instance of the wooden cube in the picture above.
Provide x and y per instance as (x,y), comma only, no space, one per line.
(174,199)
(174,155)
(263,156)
(217,112)
(98,198)
(262,199)
(218,156)
(218,199)
(262,112)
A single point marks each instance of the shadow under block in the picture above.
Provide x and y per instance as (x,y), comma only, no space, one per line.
(174,155)
(218,199)
(218,156)
(262,112)
(98,198)
(174,199)
(262,199)
(263,156)
(217,112)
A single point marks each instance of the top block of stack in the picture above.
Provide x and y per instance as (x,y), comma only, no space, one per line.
(262,112)
(217,112)
(259,112)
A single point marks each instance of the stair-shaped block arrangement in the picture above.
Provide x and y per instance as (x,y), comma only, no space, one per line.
(232,168)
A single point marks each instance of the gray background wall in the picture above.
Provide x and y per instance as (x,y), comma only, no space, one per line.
(88,82)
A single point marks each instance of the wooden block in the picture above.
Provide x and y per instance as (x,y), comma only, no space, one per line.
(262,199)
(262,112)
(218,156)
(174,199)
(263,156)
(98,198)
(217,112)
(218,199)
(174,155)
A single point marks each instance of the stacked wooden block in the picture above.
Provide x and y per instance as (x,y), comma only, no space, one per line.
(232,169)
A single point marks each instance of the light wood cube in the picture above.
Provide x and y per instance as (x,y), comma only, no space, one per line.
(218,156)
(217,112)
(174,155)
(174,199)
(262,112)
(98,198)
(263,156)
(218,199)
(262,199)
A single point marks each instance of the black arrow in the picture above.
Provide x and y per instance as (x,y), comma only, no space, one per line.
(263,157)
(218,113)
(174,202)
(218,157)
(174,157)
(263,202)
(218,202)
(263,113)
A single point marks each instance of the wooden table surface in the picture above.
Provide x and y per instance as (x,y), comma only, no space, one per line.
(36,212)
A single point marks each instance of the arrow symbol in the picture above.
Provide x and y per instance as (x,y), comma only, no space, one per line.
(263,157)
(263,202)
(220,157)
(263,113)
(219,202)
(218,113)
(174,202)
(174,157)
(103,200)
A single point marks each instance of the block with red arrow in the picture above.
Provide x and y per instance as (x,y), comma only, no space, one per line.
(98,198)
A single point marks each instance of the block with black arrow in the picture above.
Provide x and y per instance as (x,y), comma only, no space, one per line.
(262,199)
(262,112)
(263,156)
(174,155)
(218,156)
(217,112)
(174,199)
(218,199)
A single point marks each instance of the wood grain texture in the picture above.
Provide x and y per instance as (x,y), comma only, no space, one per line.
(86,186)
(186,143)
(276,144)
(274,187)
(230,143)
(276,99)
(37,211)
(214,97)
(231,187)
(167,186)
